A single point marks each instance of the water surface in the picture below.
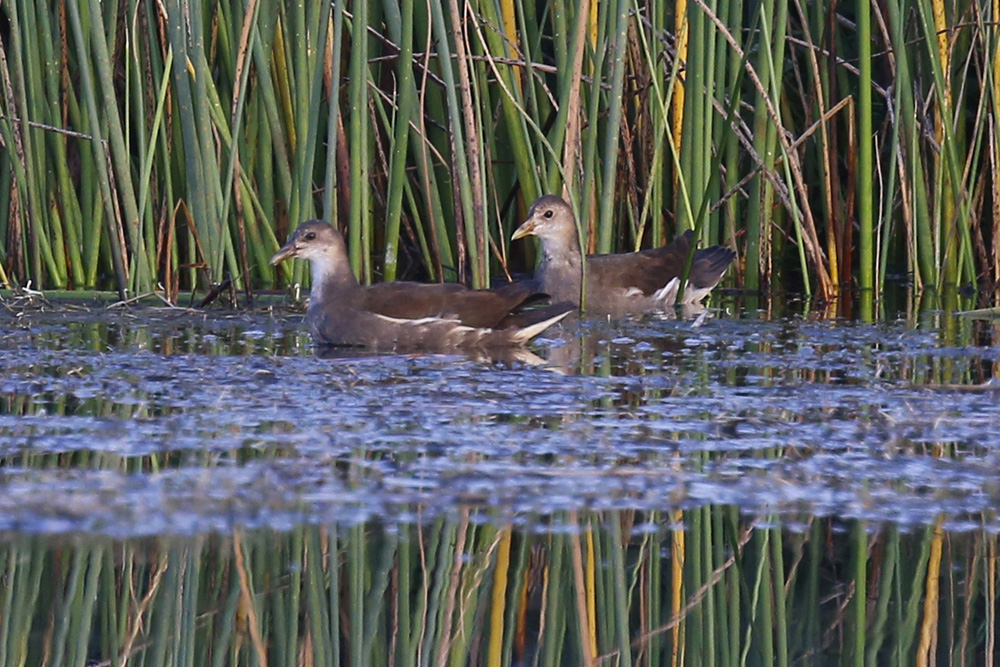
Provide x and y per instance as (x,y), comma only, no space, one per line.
(156,421)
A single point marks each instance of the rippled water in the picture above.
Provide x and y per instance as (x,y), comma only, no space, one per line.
(153,421)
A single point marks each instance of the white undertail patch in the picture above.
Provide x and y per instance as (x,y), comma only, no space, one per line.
(666,296)
(527,333)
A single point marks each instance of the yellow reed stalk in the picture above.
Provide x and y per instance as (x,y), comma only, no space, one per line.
(677,584)
(246,608)
(509,17)
(991,596)
(583,595)
(497,608)
(941,25)
(681,30)
(941,116)
(995,89)
(593,29)
(592,587)
(571,145)
(928,629)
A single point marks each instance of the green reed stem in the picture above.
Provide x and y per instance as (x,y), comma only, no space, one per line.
(550,642)
(780,599)
(359,228)
(406,107)
(333,572)
(763,145)
(887,580)
(101,160)
(860,558)
(712,634)
(319,613)
(613,128)
(186,647)
(65,618)
(375,603)
(519,577)
(405,591)
(33,180)
(923,256)
(911,618)
(697,637)
(142,274)
(621,614)
(512,105)
(356,594)
(331,182)
(458,131)
(229,608)
(654,602)
(866,170)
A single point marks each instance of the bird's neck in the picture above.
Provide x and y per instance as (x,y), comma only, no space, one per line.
(560,269)
(332,280)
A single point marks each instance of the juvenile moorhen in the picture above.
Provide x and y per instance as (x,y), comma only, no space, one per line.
(407,315)
(617,284)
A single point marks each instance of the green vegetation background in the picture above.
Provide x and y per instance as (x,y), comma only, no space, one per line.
(171,143)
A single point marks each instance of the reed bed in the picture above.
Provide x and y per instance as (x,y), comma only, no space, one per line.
(170,145)
(461,591)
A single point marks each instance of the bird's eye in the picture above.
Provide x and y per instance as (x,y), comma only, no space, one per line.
(310,236)
(548,214)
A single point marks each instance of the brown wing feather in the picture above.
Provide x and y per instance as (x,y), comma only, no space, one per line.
(647,270)
(474,308)
(650,270)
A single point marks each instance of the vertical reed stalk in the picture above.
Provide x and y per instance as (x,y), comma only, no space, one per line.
(498,603)
(620,602)
(866,172)
(927,647)
(860,558)
(406,107)
(360,224)
(586,630)
(101,161)
(356,595)
(613,127)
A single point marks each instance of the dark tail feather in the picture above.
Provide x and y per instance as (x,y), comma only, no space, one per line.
(710,265)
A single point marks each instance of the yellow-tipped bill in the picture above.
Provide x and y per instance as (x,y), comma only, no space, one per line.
(527,228)
(287,251)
